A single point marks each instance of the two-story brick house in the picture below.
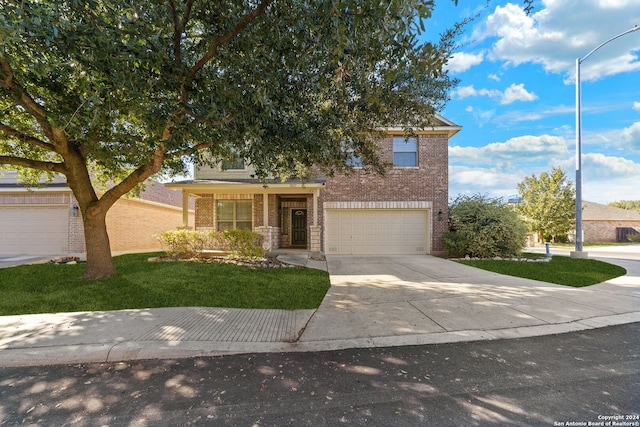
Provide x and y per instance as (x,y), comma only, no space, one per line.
(404,212)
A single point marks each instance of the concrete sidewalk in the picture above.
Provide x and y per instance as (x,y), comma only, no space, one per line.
(373,302)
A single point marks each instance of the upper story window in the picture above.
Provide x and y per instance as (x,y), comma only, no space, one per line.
(405,152)
(353,160)
(236,164)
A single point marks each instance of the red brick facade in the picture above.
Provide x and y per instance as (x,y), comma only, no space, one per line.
(427,182)
(423,187)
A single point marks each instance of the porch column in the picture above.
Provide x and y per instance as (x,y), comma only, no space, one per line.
(185,209)
(315,232)
(265,210)
(315,207)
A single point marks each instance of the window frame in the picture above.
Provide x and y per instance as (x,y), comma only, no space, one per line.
(234,221)
(396,140)
(228,165)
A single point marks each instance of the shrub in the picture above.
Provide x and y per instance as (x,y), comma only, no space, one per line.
(183,241)
(483,227)
(242,243)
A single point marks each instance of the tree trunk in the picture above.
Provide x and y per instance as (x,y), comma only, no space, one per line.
(99,261)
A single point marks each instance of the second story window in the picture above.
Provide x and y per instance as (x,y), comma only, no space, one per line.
(236,164)
(405,152)
(353,160)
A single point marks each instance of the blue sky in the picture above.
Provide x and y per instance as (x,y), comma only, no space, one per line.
(516,98)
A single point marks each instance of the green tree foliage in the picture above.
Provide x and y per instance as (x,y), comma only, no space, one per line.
(548,203)
(632,205)
(120,90)
(483,227)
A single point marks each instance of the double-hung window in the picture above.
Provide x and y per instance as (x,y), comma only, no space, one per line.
(405,152)
(234,214)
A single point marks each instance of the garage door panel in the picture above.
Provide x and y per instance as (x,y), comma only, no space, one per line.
(368,231)
(34,231)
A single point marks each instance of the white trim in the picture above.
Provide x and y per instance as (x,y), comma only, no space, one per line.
(64,189)
(244,188)
(411,204)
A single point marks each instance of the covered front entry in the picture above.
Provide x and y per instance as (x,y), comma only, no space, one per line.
(293,221)
(285,214)
(377,231)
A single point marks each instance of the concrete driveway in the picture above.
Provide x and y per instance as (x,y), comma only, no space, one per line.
(395,300)
(14,260)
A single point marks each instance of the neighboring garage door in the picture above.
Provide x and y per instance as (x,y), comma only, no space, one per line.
(34,231)
(384,231)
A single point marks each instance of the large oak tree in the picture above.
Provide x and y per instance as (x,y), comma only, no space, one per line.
(121,90)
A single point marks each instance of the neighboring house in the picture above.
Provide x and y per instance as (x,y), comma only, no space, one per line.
(404,212)
(47,221)
(603,223)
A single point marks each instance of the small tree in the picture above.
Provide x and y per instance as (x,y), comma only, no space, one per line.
(483,227)
(632,205)
(548,203)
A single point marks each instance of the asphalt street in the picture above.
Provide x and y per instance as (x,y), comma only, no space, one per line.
(585,378)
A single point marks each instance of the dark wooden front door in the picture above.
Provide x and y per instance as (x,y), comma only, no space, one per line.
(298,227)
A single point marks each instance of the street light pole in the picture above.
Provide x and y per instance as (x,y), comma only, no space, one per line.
(578,253)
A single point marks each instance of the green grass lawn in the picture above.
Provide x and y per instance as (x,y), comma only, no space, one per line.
(561,270)
(50,288)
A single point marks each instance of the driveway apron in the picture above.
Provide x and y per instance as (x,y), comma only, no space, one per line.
(395,296)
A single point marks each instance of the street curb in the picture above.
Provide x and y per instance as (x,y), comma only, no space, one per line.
(145,350)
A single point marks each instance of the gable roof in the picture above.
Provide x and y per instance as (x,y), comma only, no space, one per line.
(597,212)
(440,125)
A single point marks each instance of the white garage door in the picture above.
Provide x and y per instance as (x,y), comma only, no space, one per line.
(368,231)
(34,231)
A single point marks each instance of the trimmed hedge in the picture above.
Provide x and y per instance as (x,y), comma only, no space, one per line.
(188,243)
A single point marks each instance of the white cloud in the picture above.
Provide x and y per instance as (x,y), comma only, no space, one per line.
(494,77)
(522,149)
(517,93)
(511,94)
(563,30)
(466,91)
(631,136)
(460,62)
(636,106)
(605,178)
(468,180)
(597,165)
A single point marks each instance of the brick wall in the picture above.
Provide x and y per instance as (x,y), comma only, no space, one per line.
(605,231)
(427,182)
(76,231)
(134,224)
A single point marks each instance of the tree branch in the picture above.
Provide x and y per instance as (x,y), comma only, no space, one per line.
(136,177)
(215,44)
(187,13)
(177,34)
(28,139)
(33,164)
(188,151)
(23,97)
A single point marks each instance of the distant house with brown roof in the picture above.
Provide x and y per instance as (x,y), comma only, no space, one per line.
(603,223)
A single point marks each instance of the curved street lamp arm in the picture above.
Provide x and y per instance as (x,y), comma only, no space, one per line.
(631,30)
